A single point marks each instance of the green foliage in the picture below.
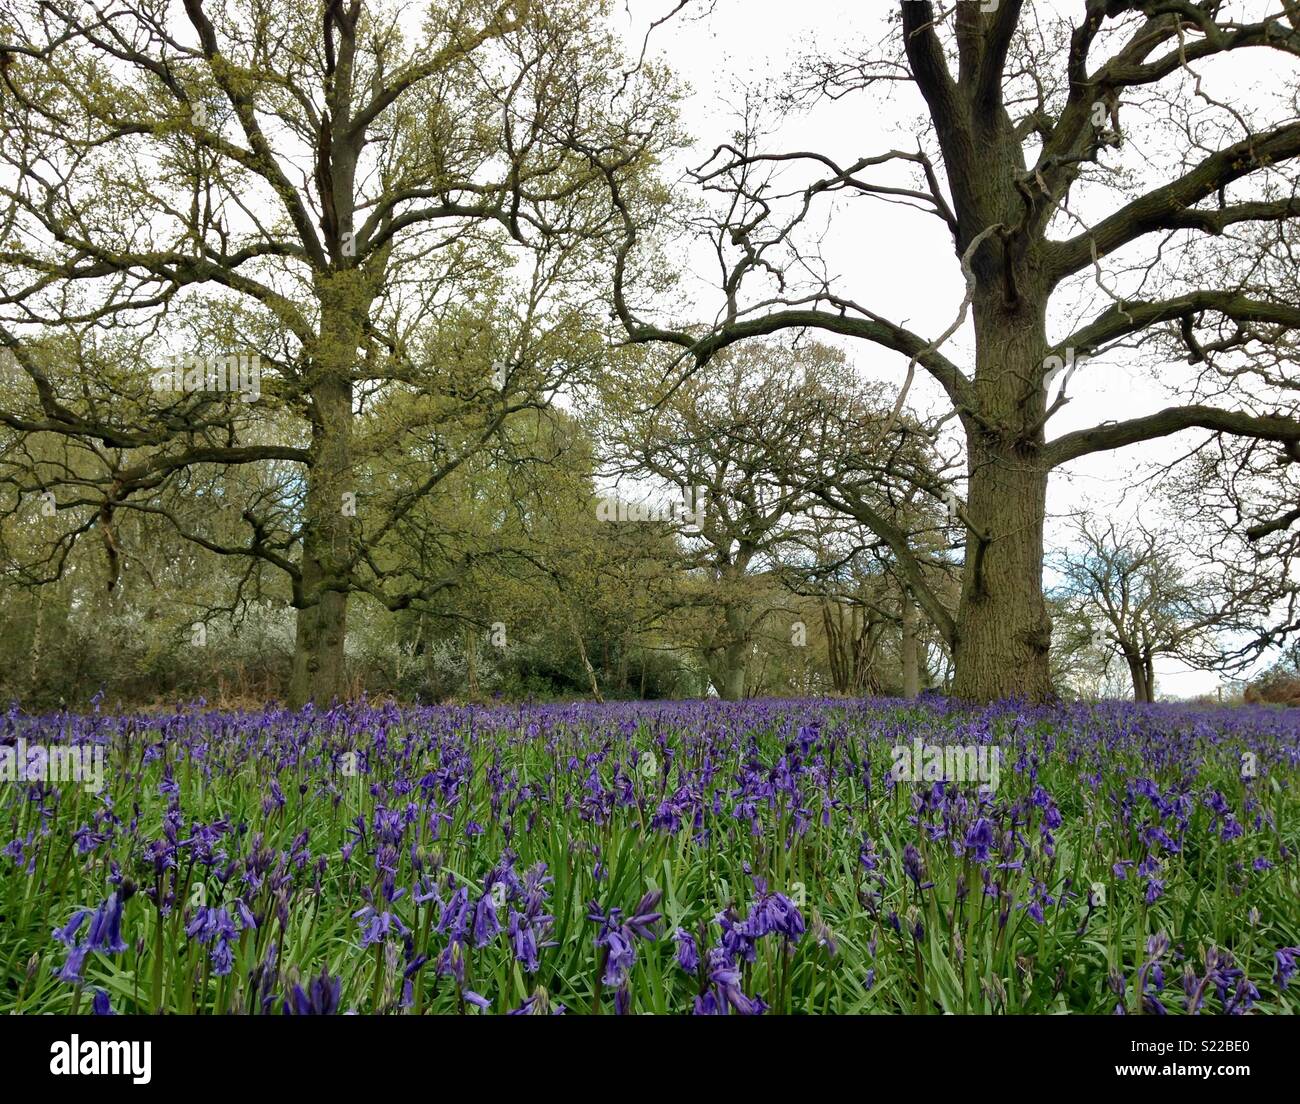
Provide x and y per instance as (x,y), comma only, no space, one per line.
(975,952)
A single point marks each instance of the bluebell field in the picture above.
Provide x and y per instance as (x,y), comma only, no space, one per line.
(673,858)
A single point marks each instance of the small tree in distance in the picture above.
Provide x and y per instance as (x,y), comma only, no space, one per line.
(1132,587)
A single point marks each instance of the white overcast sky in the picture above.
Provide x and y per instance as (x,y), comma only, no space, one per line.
(900,263)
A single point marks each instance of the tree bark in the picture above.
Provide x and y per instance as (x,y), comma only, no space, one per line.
(1138,675)
(911,668)
(1141,670)
(322,594)
(730,677)
(38,643)
(833,625)
(1003,631)
(586,661)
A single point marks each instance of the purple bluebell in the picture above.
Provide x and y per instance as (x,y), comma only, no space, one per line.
(688,953)
(320,998)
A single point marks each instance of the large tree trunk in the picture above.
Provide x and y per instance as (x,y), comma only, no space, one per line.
(1138,674)
(728,651)
(1141,670)
(836,657)
(318,654)
(1003,629)
(729,676)
(729,673)
(866,678)
(911,667)
(851,645)
(318,659)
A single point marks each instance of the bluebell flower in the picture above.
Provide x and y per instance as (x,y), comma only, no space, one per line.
(1285,957)
(105,932)
(67,935)
(486,925)
(524,941)
(727,979)
(915,867)
(621,954)
(71,969)
(642,920)
(378,925)
(454,920)
(688,953)
(320,998)
(618,938)
(538,1004)
(979,839)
